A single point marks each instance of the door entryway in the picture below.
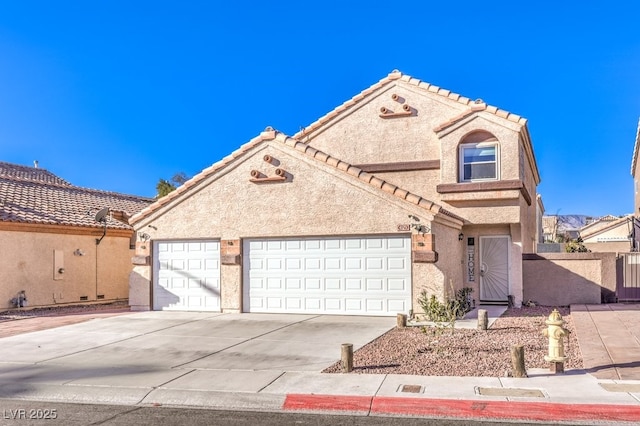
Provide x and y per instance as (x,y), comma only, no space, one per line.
(494,268)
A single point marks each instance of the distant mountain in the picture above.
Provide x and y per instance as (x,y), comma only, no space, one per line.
(573,222)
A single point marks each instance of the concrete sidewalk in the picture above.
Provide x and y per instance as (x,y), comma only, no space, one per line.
(176,359)
(609,338)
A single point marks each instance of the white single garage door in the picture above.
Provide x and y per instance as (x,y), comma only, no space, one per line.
(187,275)
(328,275)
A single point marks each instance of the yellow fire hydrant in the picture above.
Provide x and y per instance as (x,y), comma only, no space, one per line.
(556,333)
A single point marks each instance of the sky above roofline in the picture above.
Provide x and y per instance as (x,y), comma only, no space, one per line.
(116,95)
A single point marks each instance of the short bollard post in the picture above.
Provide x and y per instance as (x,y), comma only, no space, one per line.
(517,361)
(401,321)
(347,357)
(483,319)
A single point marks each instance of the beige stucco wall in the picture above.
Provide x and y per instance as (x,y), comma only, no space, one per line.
(444,277)
(609,247)
(362,136)
(317,200)
(560,279)
(27,263)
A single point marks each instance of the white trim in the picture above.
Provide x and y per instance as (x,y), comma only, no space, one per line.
(461,162)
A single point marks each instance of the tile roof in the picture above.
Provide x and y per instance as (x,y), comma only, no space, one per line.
(37,196)
(30,174)
(272,135)
(475,105)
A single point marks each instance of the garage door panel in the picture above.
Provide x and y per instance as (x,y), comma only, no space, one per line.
(353,244)
(375,263)
(397,284)
(354,284)
(293,264)
(398,305)
(312,304)
(187,275)
(333,305)
(375,284)
(312,284)
(333,284)
(274,284)
(374,243)
(333,264)
(397,264)
(353,305)
(353,264)
(274,264)
(313,264)
(293,304)
(375,305)
(330,275)
(312,245)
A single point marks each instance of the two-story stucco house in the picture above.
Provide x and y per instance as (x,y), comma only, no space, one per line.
(403,188)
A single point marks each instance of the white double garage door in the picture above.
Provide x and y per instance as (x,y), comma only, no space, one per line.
(322,275)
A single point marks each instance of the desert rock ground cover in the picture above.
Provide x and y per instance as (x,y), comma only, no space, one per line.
(465,352)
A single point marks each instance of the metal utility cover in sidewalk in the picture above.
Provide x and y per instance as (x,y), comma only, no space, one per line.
(510,392)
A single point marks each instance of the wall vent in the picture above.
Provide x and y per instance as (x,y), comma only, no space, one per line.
(100,296)
(84,297)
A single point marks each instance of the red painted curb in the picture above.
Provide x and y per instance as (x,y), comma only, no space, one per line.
(512,410)
(327,402)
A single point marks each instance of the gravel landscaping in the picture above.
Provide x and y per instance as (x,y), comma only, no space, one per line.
(430,351)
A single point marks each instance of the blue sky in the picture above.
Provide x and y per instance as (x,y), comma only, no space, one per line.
(115,95)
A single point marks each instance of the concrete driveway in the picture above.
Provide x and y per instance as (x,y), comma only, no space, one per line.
(177,350)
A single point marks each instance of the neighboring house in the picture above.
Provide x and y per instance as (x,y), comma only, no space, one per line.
(609,234)
(405,188)
(561,228)
(53,249)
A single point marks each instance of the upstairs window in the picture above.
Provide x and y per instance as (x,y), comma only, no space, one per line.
(479,161)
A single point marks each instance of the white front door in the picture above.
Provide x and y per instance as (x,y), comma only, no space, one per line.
(186,275)
(328,275)
(494,268)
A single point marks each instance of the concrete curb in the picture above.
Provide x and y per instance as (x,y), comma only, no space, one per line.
(466,409)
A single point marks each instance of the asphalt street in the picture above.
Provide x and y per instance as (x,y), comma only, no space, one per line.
(19,413)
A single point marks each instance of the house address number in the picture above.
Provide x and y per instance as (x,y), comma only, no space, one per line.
(404,228)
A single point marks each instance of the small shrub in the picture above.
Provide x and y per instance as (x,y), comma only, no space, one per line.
(446,313)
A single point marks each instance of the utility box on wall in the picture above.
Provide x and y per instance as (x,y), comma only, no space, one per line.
(58,265)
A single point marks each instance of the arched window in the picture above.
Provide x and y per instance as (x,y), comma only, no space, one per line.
(479,157)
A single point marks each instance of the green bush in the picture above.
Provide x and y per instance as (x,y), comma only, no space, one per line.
(447,311)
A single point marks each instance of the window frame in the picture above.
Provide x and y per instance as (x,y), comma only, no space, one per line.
(472,145)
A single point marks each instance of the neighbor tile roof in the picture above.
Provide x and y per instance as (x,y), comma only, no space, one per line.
(270,135)
(37,196)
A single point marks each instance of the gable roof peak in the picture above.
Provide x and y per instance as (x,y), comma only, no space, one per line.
(395,77)
(309,151)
